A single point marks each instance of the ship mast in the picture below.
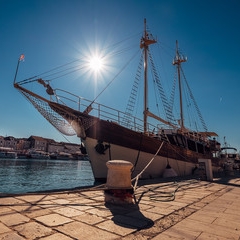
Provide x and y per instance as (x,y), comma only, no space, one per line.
(145,42)
(177,61)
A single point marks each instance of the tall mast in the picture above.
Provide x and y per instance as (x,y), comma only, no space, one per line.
(145,42)
(177,61)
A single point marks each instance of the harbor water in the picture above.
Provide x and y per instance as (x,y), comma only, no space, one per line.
(33,175)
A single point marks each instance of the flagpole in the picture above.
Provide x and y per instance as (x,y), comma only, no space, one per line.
(19,60)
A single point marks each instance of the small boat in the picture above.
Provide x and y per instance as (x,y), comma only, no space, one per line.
(229,156)
(6,152)
(151,142)
(8,155)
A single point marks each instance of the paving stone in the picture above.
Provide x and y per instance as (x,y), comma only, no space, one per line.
(48,204)
(162,211)
(215,209)
(66,195)
(175,204)
(53,220)
(11,236)
(150,215)
(34,198)
(33,230)
(5,210)
(180,233)
(33,213)
(13,219)
(165,236)
(68,212)
(10,201)
(229,223)
(56,236)
(4,228)
(162,204)
(235,211)
(24,207)
(208,228)
(89,219)
(209,236)
(232,217)
(122,229)
(83,231)
(99,212)
(133,237)
(61,201)
(86,201)
(81,208)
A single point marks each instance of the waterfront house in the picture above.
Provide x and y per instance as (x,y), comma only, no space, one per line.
(38,143)
(9,142)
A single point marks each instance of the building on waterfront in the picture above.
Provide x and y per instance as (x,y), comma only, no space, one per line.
(8,142)
(39,144)
(23,144)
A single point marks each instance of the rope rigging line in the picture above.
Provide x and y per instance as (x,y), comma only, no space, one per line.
(59,76)
(78,68)
(124,40)
(115,77)
(132,98)
(195,103)
(171,100)
(71,69)
(137,177)
(32,79)
(168,112)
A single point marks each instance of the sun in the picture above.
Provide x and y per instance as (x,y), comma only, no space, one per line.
(96,63)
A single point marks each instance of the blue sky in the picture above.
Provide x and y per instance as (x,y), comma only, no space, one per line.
(51,33)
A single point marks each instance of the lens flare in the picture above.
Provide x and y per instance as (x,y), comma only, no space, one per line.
(96,63)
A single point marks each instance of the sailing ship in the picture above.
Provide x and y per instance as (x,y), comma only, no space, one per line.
(110,134)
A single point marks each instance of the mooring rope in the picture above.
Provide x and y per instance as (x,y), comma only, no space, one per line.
(137,177)
(156,194)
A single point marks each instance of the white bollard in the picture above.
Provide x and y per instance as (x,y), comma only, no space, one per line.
(119,174)
(119,185)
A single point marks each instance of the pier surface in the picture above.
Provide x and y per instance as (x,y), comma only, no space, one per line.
(176,209)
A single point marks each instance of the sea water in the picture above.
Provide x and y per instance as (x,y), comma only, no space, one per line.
(33,175)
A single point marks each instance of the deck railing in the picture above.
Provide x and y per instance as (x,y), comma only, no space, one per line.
(102,111)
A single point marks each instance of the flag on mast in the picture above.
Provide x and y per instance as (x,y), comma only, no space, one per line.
(21,57)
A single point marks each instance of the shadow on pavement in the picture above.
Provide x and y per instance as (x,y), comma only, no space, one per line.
(129,216)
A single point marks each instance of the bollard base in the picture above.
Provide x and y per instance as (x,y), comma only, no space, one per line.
(119,196)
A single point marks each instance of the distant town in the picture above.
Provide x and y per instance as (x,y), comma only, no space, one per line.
(39,147)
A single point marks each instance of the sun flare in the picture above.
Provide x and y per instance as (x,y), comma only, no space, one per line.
(96,63)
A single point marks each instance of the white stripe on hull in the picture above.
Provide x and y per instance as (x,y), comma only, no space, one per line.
(156,169)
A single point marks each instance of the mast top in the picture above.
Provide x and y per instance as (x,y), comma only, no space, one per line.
(179,58)
(147,39)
